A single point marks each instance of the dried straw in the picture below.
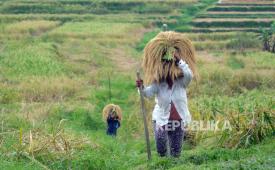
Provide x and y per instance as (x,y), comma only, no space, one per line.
(155,69)
(109,108)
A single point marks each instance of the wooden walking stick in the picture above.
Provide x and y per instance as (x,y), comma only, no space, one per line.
(144,119)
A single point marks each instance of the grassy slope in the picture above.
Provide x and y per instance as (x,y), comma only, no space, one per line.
(62,73)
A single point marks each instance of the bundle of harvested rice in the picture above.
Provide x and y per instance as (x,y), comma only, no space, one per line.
(112,109)
(160,50)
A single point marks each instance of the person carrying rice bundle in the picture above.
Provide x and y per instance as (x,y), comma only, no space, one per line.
(169,66)
(112,114)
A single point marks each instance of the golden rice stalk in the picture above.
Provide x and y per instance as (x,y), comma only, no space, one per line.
(191,137)
(31,143)
(154,69)
(111,107)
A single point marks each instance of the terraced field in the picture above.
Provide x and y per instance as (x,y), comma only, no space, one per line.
(233,16)
(251,15)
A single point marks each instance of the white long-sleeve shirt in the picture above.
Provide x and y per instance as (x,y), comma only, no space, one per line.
(164,97)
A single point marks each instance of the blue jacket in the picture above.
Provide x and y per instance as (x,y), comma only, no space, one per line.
(113,125)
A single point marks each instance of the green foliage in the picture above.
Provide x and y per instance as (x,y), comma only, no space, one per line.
(84,7)
(267,37)
(249,24)
(188,13)
(235,63)
(8,96)
(30,58)
(146,38)
(241,15)
(223,30)
(239,8)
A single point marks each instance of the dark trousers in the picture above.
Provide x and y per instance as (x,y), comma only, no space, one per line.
(168,139)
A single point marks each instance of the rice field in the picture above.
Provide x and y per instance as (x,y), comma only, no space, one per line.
(248,1)
(62,61)
(234,16)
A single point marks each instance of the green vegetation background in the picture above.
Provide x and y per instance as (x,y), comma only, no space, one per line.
(56,59)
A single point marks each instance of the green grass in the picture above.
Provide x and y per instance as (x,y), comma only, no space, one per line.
(240,159)
(31,58)
(146,38)
(235,63)
(84,7)
(240,8)
(211,36)
(189,12)
(241,15)
(230,24)
(95,28)
(245,4)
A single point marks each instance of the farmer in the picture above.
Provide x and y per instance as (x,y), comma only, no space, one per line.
(112,115)
(169,66)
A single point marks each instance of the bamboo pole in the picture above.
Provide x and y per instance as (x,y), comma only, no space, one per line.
(144,119)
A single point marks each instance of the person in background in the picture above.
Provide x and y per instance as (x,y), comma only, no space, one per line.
(113,123)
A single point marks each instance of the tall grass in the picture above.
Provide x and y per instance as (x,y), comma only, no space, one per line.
(19,59)
(31,27)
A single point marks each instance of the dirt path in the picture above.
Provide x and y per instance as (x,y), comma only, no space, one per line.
(121,56)
(122,61)
(206,57)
